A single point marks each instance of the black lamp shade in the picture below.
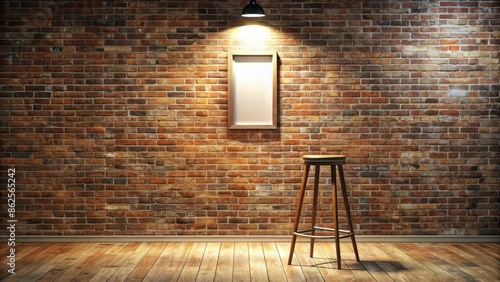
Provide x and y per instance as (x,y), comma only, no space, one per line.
(253,10)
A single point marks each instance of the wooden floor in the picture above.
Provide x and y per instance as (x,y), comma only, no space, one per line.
(251,261)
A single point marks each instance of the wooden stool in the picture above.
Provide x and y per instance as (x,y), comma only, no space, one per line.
(333,161)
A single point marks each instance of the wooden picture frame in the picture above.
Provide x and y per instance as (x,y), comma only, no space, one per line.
(252,101)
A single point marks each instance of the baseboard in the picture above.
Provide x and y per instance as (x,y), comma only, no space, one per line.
(359,239)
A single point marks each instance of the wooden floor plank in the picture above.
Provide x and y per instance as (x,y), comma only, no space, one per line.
(121,255)
(146,262)
(85,270)
(58,255)
(193,262)
(292,272)
(368,261)
(108,267)
(224,270)
(308,264)
(169,265)
(258,270)
(71,259)
(474,257)
(104,273)
(493,249)
(241,271)
(358,270)
(469,262)
(345,273)
(439,254)
(274,265)
(172,271)
(26,255)
(157,269)
(126,261)
(417,270)
(97,263)
(391,266)
(326,265)
(209,263)
(415,251)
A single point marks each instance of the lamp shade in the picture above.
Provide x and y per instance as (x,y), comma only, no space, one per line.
(253,10)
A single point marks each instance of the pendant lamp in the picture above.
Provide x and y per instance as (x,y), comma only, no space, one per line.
(253,10)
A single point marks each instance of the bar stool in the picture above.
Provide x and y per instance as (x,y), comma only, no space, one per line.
(333,161)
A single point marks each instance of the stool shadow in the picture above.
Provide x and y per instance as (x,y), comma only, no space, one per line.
(382,266)
(385,265)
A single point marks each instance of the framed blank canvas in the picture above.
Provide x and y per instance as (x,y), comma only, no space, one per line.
(252,78)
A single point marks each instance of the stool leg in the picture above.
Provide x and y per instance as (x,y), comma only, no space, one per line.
(348,211)
(297,213)
(336,216)
(315,208)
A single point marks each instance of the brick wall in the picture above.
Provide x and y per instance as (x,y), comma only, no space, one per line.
(114,115)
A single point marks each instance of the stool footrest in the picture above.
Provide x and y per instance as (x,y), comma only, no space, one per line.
(301,233)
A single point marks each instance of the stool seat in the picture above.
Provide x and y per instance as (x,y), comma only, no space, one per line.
(324,159)
(335,162)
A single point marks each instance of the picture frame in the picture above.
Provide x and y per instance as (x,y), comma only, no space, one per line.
(252,79)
